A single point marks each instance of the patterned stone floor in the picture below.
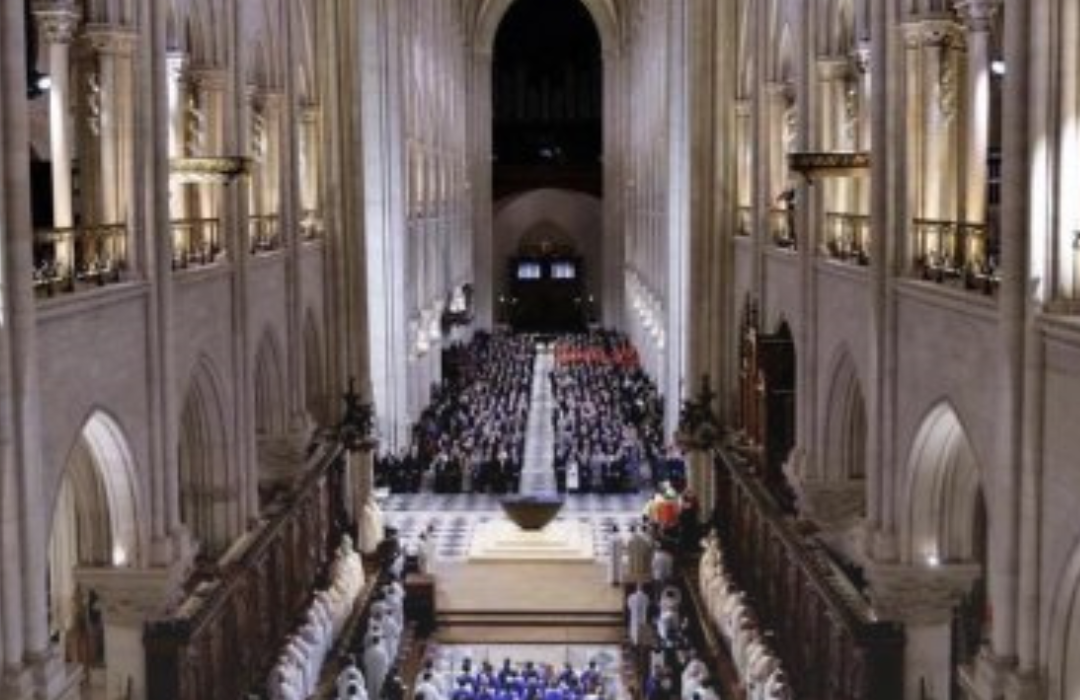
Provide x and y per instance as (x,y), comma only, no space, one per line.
(455,517)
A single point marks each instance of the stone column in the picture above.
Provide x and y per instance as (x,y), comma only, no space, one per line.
(57,23)
(111,48)
(127,599)
(941,40)
(834,73)
(208,84)
(923,599)
(978,16)
(479,96)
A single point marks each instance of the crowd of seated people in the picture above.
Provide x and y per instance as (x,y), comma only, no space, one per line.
(607,418)
(510,681)
(471,437)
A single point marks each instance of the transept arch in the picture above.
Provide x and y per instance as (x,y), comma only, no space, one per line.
(945,506)
(95,524)
(209,485)
(844,447)
(491,12)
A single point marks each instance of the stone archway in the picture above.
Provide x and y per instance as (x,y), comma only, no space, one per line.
(94,525)
(210,486)
(944,492)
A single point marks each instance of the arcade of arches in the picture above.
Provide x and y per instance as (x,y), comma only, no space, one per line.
(852,223)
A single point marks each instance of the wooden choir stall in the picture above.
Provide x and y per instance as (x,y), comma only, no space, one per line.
(825,632)
(223,637)
(767,399)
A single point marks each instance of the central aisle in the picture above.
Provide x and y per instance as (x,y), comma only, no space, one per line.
(537,469)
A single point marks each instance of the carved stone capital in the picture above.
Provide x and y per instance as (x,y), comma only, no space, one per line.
(130,596)
(111,40)
(780,90)
(919,595)
(834,505)
(56,21)
(208,78)
(933,32)
(978,15)
(833,67)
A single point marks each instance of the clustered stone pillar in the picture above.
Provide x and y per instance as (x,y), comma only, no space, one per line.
(978,15)
(56,24)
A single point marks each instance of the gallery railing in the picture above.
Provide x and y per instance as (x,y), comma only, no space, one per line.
(847,238)
(196,243)
(264,235)
(67,260)
(956,253)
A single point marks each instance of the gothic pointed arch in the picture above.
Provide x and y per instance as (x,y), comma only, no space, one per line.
(1063,642)
(490,14)
(844,447)
(96,516)
(269,384)
(209,482)
(945,506)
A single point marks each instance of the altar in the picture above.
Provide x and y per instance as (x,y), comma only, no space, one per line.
(560,541)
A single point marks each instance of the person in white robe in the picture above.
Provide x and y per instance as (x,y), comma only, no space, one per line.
(376,666)
(350,675)
(615,557)
(637,606)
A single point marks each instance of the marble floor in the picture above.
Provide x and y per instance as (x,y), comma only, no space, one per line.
(454,517)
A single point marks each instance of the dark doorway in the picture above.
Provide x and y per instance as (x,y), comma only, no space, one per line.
(547,293)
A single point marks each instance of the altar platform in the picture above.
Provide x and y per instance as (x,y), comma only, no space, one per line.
(562,541)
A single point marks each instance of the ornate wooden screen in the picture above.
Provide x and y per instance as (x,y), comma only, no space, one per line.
(824,631)
(223,637)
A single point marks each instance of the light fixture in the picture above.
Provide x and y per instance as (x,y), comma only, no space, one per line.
(933,560)
(43,82)
(997,67)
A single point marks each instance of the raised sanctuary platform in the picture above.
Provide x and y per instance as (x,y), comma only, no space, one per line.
(504,541)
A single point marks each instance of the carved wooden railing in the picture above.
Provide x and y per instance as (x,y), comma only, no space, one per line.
(847,238)
(825,633)
(264,235)
(196,242)
(69,259)
(957,253)
(222,639)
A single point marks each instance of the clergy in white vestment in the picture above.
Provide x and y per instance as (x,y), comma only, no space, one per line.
(637,608)
(376,666)
(615,557)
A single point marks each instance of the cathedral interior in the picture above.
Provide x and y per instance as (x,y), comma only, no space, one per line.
(821,257)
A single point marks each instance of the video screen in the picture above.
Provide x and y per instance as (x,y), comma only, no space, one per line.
(529,271)
(563,270)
